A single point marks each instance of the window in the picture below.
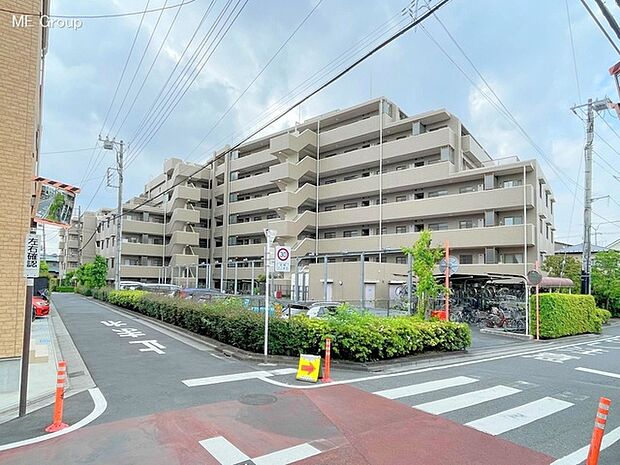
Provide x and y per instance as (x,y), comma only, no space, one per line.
(466,224)
(330,235)
(418,227)
(466,189)
(401,229)
(329,181)
(350,233)
(418,164)
(438,193)
(547,231)
(401,260)
(329,208)
(352,176)
(256,240)
(258,218)
(512,220)
(512,183)
(401,198)
(418,195)
(401,167)
(438,226)
(511,258)
(365,203)
(466,259)
(350,205)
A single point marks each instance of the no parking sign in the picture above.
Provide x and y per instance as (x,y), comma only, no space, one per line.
(283,259)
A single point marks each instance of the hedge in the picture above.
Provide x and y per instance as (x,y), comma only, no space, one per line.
(603,314)
(566,315)
(357,337)
(64,289)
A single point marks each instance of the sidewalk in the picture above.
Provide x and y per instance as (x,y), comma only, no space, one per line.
(42,370)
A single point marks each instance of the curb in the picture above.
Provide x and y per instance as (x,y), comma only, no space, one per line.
(499,332)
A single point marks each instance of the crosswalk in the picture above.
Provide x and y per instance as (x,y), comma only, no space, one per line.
(503,420)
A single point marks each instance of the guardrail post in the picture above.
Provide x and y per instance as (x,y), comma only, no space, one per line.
(61,379)
(599,429)
(328,361)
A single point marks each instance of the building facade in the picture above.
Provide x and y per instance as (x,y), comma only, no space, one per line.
(367,179)
(76,245)
(22,49)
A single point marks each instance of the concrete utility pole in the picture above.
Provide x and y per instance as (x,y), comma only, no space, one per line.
(111,145)
(79,235)
(597,106)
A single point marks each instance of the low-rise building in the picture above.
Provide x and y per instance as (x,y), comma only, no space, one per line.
(77,244)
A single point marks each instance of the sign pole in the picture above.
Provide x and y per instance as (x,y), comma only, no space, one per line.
(537,305)
(447,292)
(270,235)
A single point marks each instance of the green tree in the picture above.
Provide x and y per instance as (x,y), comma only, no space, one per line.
(566,267)
(44,269)
(93,274)
(606,280)
(424,258)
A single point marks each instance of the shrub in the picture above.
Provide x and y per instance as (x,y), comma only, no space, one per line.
(566,315)
(356,336)
(64,289)
(603,314)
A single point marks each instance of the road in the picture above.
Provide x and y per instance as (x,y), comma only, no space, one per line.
(176,401)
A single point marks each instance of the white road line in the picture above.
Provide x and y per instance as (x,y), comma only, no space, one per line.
(519,416)
(286,456)
(598,372)
(468,399)
(100,406)
(236,377)
(580,455)
(223,451)
(421,388)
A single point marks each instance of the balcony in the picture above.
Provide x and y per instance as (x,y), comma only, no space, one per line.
(259,181)
(134,248)
(289,144)
(183,259)
(421,145)
(288,172)
(182,194)
(471,147)
(182,216)
(142,227)
(184,238)
(250,250)
(248,206)
(289,200)
(293,228)
(260,159)
(134,272)
(251,227)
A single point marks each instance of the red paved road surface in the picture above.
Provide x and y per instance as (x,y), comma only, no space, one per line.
(350,426)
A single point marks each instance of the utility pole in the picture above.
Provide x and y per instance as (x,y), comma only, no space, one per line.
(79,235)
(112,145)
(597,106)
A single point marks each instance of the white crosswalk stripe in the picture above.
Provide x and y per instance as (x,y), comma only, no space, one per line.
(421,388)
(468,399)
(519,416)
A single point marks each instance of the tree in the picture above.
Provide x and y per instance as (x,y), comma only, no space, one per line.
(606,279)
(93,274)
(424,258)
(566,267)
(44,269)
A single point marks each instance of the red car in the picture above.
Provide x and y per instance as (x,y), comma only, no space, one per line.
(40,306)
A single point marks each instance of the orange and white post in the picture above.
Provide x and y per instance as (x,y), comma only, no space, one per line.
(599,429)
(61,379)
(328,361)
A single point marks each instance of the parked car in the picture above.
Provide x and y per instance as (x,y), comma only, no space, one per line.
(170,290)
(322,309)
(40,306)
(295,308)
(200,294)
(130,285)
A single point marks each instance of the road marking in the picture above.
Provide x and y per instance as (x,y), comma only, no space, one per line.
(598,372)
(519,416)
(414,389)
(580,455)
(468,399)
(100,407)
(237,377)
(424,370)
(223,451)
(227,453)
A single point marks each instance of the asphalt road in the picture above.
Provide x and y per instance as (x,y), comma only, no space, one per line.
(532,406)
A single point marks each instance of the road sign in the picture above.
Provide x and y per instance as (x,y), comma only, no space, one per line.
(454,265)
(534,277)
(283,259)
(32,257)
(308,369)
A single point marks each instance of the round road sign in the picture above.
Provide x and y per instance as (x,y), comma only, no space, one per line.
(534,277)
(283,254)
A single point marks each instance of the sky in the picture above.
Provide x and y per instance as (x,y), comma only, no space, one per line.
(519,52)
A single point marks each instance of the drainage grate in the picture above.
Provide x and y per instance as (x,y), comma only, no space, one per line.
(75,374)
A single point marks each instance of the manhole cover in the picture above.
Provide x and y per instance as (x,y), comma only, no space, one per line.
(75,374)
(258,399)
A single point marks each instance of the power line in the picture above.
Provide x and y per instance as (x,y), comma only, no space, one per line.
(598,23)
(224,153)
(110,15)
(572,47)
(54,152)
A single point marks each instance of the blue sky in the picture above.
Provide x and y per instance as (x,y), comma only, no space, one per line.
(522,49)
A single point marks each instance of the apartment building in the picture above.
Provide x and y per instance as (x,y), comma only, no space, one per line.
(22,50)
(365,179)
(75,244)
(165,239)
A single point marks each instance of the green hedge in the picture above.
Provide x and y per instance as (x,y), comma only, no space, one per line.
(64,289)
(359,337)
(566,315)
(603,314)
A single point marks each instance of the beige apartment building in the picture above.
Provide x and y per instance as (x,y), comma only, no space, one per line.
(22,49)
(366,179)
(74,245)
